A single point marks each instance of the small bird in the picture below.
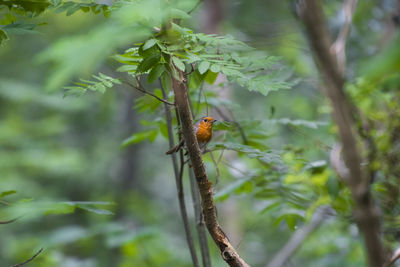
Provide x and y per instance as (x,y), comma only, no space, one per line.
(203,131)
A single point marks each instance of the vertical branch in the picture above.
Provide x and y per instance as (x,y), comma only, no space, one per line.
(366,212)
(229,254)
(201,228)
(178,181)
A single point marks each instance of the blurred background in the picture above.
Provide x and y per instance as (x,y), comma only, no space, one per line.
(88,201)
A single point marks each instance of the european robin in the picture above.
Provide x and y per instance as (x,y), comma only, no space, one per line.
(203,131)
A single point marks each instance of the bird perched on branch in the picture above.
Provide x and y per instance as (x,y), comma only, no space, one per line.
(203,131)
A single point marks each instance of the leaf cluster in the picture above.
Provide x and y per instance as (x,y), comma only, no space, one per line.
(15,12)
(202,57)
(100,84)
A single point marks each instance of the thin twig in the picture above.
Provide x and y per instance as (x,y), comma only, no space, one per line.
(140,88)
(178,182)
(182,164)
(28,260)
(4,203)
(238,126)
(395,257)
(190,72)
(10,221)
(216,171)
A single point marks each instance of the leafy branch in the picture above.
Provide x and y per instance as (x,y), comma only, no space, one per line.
(100,85)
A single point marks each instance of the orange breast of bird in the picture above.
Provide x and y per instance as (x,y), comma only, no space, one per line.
(204,132)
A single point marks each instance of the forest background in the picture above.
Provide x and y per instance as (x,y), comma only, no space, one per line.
(83,170)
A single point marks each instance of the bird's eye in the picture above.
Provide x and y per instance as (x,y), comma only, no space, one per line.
(205,120)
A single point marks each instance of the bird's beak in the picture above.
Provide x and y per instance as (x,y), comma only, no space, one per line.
(214,121)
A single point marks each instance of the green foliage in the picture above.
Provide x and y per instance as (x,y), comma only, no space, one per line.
(101,84)
(6,193)
(384,64)
(70,7)
(26,7)
(17,27)
(204,56)
(13,9)
(140,137)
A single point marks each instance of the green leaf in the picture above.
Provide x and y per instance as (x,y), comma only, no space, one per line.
(148,52)
(20,28)
(239,186)
(271,204)
(149,43)
(196,79)
(149,62)
(73,9)
(3,36)
(131,59)
(87,205)
(178,63)
(215,68)
(179,14)
(139,137)
(210,77)
(265,84)
(155,73)
(291,222)
(6,193)
(65,6)
(231,72)
(203,67)
(332,186)
(166,81)
(8,19)
(384,63)
(127,68)
(290,215)
(103,82)
(33,7)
